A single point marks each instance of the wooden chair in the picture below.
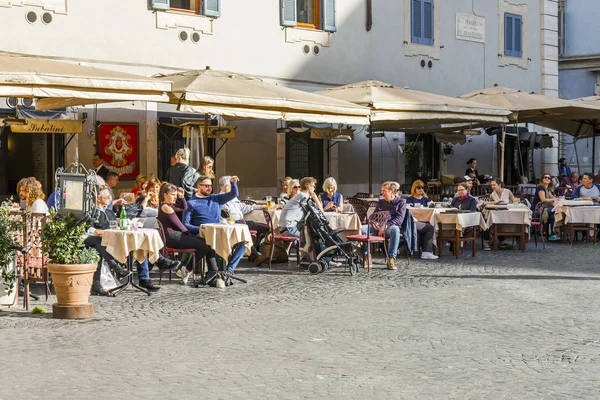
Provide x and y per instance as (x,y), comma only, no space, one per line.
(378,219)
(172,252)
(34,267)
(273,237)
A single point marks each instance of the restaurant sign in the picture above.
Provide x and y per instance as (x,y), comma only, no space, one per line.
(470,27)
(32,125)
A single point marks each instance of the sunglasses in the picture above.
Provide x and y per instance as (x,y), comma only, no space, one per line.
(547,177)
(295,187)
(202,184)
(420,187)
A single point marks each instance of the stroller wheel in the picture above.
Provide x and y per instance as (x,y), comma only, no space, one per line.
(314,268)
(353,268)
(324,266)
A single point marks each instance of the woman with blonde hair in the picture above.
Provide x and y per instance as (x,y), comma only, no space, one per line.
(284,187)
(139,183)
(331,199)
(293,189)
(182,175)
(31,191)
(417,194)
(206,167)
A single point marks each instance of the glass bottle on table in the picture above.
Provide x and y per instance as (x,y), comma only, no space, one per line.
(123,219)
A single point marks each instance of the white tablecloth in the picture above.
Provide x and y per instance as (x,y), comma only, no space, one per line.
(258,217)
(460,220)
(221,237)
(576,215)
(140,243)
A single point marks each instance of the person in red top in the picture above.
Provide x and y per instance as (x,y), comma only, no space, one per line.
(176,234)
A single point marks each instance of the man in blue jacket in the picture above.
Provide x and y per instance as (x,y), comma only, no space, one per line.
(587,190)
(205,208)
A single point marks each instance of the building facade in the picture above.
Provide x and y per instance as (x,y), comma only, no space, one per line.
(579,66)
(444,47)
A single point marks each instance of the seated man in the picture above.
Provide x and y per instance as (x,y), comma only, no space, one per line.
(236,210)
(588,189)
(205,208)
(95,241)
(396,206)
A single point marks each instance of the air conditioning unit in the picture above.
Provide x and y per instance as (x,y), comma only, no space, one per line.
(160,4)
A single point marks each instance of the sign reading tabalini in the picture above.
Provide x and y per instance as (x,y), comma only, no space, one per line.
(470,27)
(32,125)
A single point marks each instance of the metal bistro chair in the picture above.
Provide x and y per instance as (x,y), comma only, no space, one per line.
(172,252)
(34,267)
(536,224)
(273,237)
(380,220)
(361,210)
(362,195)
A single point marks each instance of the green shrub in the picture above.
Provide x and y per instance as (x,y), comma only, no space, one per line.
(62,240)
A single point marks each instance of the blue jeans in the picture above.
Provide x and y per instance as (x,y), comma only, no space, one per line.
(392,232)
(142,270)
(235,257)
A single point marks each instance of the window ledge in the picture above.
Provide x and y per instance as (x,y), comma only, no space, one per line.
(58,6)
(175,20)
(295,35)
(505,61)
(417,49)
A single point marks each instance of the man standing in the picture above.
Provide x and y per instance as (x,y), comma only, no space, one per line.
(588,189)
(205,208)
(236,210)
(98,163)
(112,179)
(563,168)
(94,240)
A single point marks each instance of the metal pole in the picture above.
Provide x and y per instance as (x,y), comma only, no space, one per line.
(370,158)
(593,154)
(501,164)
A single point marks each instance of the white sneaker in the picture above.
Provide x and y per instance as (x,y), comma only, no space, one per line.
(334,264)
(185,275)
(428,256)
(178,272)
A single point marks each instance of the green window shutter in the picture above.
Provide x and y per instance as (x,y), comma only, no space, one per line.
(288,12)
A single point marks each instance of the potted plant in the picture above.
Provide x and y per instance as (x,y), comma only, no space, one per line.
(71,264)
(8,246)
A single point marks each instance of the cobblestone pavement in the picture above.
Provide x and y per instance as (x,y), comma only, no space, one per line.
(501,325)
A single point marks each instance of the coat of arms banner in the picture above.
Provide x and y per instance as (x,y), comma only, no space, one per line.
(118,144)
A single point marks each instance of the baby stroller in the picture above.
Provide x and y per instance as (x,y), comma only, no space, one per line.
(325,242)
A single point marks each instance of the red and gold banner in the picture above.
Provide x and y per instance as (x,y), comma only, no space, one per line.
(118,144)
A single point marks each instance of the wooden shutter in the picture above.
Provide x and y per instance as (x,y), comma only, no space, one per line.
(508,35)
(427,22)
(328,15)
(212,8)
(160,4)
(518,35)
(288,12)
(416,26)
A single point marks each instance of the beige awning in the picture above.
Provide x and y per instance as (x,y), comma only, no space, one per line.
(236,96)
(394,108)
(531,107)
(58,84)
(579,127)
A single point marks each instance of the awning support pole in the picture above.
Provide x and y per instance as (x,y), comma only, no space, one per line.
(370,158)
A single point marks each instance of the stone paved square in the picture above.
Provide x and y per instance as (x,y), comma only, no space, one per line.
(501,325)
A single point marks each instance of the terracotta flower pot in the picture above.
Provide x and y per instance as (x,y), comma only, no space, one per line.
(72,282)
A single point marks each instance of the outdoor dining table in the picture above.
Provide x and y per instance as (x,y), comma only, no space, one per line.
(568,215)
(129,245)
(454,220)
(349,221)
(508,220)
(222,237)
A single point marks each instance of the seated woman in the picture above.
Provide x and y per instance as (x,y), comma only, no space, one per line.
(31,191)
(206,167)
(331,199)
(543,194)
(417,194)
(176,234)
(499,193)
(284,187)
(293,189)
(139,182)
(151,199)
(463,200)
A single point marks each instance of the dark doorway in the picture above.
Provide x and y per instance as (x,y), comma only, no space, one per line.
(303,156)
(422,154)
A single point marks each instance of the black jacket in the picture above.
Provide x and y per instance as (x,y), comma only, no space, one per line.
(103,172)
(104,218)
(183,176)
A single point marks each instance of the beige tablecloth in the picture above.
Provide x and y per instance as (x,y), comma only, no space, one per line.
(576,215)
(510,220)
(221,237)
(460,220)
(258,217)
(140,243)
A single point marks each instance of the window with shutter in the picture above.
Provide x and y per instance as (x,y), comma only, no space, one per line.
(288,12)
(189,6)
(308,13)
(422,17)
(160,4)
(329,16)
(513,35)
(212,8)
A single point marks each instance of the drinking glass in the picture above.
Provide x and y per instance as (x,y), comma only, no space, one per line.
(269,202)
(114,224)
